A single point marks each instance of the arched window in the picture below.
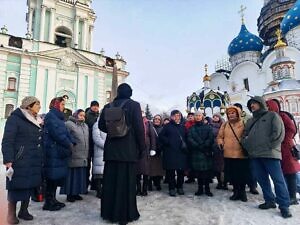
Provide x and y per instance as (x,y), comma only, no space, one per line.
(63,36)
(12,84)
(8,110)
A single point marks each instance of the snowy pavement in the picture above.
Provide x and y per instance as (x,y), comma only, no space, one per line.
(160,209)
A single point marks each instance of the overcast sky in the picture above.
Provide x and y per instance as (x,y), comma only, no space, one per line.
(165,42)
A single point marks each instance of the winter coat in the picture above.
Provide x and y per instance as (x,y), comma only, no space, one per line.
(173,155)
(90,119)
(99,138)
(231,146)
(288,163)
(131,147)
(57,141)
(155,162)
(218,157)
(265,137)
(188,125)
(22,146)
(143,165)
(200,140)
(80,132)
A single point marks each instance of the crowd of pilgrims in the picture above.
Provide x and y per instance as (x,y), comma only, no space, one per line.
(178,151)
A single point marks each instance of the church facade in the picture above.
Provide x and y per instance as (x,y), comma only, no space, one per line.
(55,58)
(268,65)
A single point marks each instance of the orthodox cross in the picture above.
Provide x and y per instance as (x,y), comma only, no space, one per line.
(242,13)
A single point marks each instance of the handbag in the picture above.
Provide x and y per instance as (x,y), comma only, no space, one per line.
(296,151)
(243,149)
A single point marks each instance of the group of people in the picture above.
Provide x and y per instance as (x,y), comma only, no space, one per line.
(121,154)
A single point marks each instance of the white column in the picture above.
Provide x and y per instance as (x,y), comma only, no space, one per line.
(42,23)
(76,30)
(85,32)
(30,21)
(52,26)
(91,37)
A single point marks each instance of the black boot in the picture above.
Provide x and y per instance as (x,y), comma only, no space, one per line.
(156,181)
(236,193)
(50,203)
(138,186)
(23,213)
(145,185)
(99,188)
(150,186)
(11,214)
(200,190)
(207,189)
(242,193)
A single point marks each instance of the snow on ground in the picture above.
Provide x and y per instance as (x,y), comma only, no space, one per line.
(160,209)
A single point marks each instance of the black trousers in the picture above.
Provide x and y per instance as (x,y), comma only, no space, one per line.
(175,183)
(291,182)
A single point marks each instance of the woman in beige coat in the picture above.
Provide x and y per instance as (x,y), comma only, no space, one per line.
(236,165)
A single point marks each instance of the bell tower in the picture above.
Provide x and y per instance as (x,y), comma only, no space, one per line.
(66,23)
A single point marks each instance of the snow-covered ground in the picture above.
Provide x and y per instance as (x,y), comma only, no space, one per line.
(160,209)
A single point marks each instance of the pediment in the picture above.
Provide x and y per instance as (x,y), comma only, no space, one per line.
(68,57)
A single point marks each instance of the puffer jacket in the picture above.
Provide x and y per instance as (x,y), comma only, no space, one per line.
(289,164)
(80,132)
(99,138)
(263,139)
(226,138)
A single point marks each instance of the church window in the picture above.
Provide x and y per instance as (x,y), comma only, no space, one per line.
(63,36)
(12,83)
(8,110)
(15,42)
(246,84)
(108,96)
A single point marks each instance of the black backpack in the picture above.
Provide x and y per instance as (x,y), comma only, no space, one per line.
(116,121)
(293,119)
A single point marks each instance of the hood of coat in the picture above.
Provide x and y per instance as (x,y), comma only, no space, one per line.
(74,120)
(237,109)
(272,106)
(260,100)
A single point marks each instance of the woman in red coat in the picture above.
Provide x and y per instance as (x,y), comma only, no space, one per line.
(290,166)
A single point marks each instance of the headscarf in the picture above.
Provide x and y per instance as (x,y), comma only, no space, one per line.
(55,103)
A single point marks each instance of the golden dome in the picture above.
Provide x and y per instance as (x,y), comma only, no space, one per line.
(206,77)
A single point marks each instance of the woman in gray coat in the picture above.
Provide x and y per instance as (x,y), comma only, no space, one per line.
(76,180)
(99,138)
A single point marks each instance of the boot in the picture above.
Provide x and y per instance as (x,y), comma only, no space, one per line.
(50,203)
(71,198)
(145,186)
(267,205)
(11,214)
(200,190)
(207,189)
(99,188)
(138,187)
(285,213)
(156,181)
(23,213)
(242,194)
(236,193)
(253,190)
(150,186)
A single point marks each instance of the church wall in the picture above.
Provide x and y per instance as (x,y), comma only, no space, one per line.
(243,71)
(219,80)
(3,61)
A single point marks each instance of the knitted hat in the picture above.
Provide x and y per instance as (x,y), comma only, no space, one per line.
(94,103)
(27,101)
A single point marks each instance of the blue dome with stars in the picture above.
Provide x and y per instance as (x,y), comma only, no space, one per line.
(291,19)
(245,41)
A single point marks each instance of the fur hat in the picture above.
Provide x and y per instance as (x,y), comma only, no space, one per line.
(27,101)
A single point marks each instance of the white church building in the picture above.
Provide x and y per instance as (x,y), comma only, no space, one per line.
(55,58)
(268,67)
